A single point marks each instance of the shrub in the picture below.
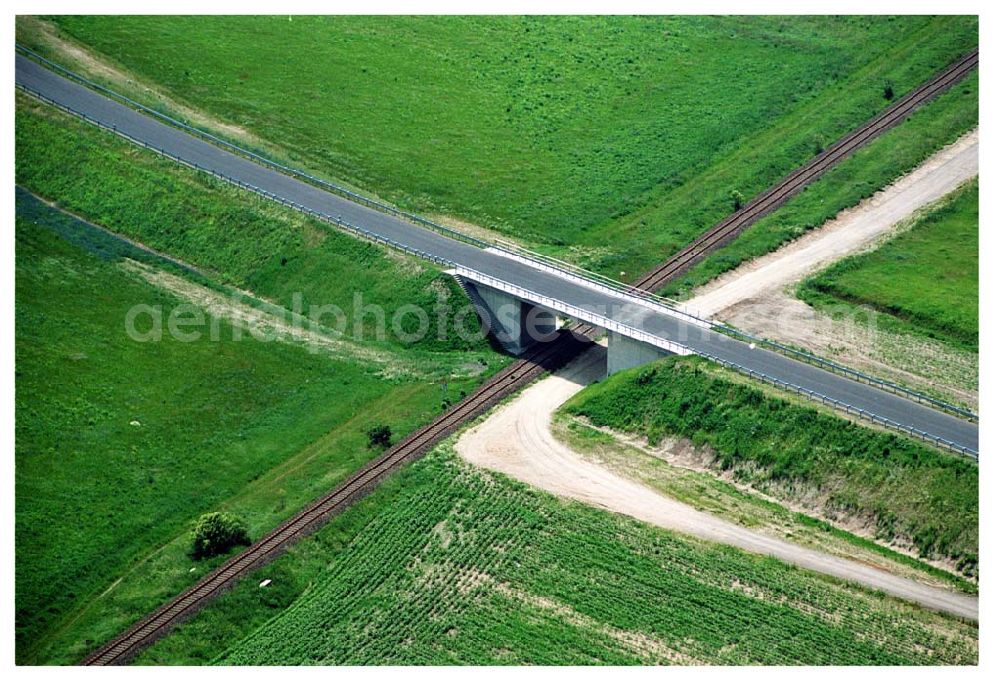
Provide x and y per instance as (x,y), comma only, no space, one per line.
(379,436)
(216,533)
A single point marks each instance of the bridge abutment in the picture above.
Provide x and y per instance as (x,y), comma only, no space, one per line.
(516,324)
(625,353)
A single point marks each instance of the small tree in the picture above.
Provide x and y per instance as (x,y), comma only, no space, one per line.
(379,436)
(737,198)
(887,91)
(216,533)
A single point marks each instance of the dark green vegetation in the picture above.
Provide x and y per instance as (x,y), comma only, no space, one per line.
(455,565)
(613,141)
(645,136)
(121,445)
(925,280)
(217,533)
(909,492)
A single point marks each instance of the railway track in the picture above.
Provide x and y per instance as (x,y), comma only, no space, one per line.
(543,358)
(769,200)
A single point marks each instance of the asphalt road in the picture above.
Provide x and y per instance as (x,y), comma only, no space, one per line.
(36,78)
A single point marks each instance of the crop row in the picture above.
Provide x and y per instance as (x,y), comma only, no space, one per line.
(466,567)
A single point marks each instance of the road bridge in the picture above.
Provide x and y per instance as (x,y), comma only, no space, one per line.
(640,327)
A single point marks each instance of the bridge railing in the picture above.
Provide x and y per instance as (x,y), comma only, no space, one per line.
(600,283)
(571,311)
(345,192)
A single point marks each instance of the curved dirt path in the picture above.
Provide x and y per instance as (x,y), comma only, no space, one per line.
(516,440)
(850,231)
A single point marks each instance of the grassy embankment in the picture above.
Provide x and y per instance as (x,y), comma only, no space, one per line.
(905,492)
(924,281)
(451,564)
(254,427)
(610,141)
(686,474)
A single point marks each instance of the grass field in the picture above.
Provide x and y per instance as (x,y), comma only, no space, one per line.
(258,428)
(925,280)
(614,158)
(612,141)
(906,492)
(455,565)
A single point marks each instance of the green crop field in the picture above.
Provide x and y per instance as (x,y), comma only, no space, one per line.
(456,565)
(911,494)
(103,505)
(925,280)
(611,141)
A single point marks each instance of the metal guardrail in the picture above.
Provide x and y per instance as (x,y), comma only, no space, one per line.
(253,156)
(857,376)
(673,347)
(335,220)
(575,311)
(676,308)
(846,407)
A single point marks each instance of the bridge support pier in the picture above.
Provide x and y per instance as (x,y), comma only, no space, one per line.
(625,353)
(514,323)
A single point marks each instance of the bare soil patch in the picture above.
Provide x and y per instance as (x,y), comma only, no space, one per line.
(758,296)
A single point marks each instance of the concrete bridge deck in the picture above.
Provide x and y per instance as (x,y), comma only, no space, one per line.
(541,286)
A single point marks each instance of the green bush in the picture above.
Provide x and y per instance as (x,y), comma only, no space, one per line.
(217,533)
(379,436)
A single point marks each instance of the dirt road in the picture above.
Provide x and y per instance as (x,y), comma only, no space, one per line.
(851,231)
(516,439)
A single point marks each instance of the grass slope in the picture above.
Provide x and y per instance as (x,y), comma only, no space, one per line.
(104,507)
(455,565)
(926,279)
(623,131)
(906,491)
(239,239)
